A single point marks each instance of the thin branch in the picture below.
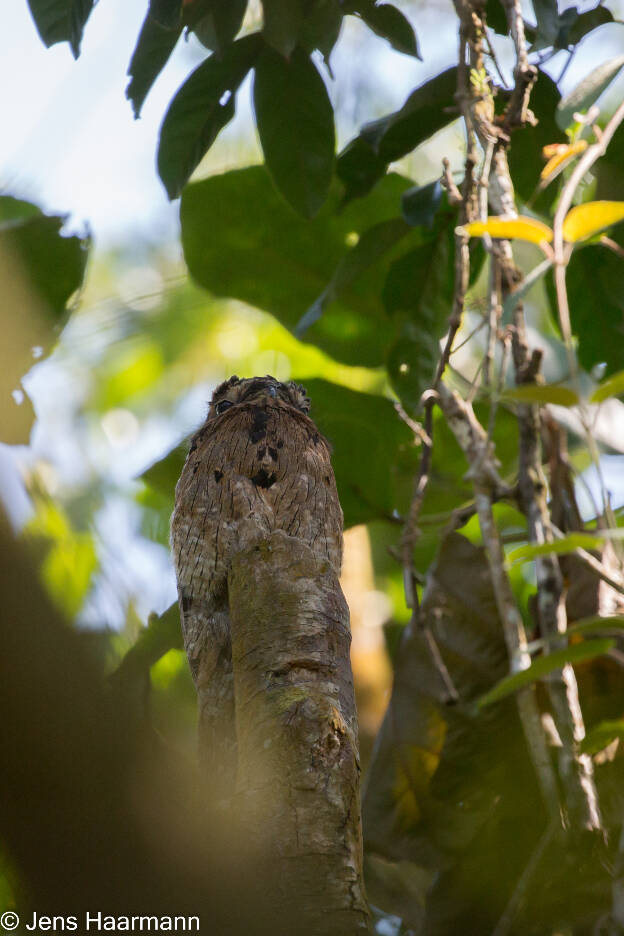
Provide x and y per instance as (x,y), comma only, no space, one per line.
(594,564)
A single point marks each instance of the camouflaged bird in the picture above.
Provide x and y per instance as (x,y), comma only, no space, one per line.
(258,464)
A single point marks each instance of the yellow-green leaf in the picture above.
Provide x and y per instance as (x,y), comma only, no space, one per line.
(565,545)
(520,228)
(542,393)
(563,152)
(586,220)
(612,386)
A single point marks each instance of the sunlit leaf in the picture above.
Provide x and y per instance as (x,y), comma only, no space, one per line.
(588,219)
(295,123)
(611,387)
(61,20)
(542,393)
(576,653)
(520,228)
(563,153)
(587,91)
(199,111)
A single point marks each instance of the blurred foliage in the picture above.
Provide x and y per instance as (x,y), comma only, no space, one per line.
(333,270)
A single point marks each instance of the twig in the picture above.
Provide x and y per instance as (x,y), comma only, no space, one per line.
(594,564)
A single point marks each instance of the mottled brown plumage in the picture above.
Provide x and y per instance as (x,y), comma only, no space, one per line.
(258,464)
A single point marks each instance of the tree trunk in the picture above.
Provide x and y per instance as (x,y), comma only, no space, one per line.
(298,769)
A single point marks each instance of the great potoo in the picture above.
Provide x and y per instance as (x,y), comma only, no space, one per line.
(258,464)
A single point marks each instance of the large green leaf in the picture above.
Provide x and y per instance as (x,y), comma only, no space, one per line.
(588,90)
(365,159)
(283,20)
(321,26)
(242,240)
(388,22)
(154,46)
(61,20)
(295,123)
(199,111)
(525,154)
(215,22)
(595,280)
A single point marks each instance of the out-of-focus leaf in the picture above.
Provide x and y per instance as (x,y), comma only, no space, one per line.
(70,558)
(242,240)
(61,20)
(542,393)
(587,21)
(560,158)
(154,46)
(166,12)
(585,220)
(513,298)
(321,27)
(388,22)
(283,20)
(547,16)
(520,228)
(575,653)
(597,625)
(428,109)
(525,162)
(214,22)
(601,735)
(611,387)
(295,123)
(496,18)
(199,111)
(161,635)
(567,544)
(418,295)
(372,245)
(421,203)
(588,91)
(437,769)
(597,312)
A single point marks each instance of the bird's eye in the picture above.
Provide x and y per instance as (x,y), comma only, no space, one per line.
(222,405)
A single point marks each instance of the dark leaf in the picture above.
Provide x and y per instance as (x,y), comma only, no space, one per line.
(427,110)
(597,312)
(61,20)
(389,23)
(547,16)
(321,26)
(283,20)
(588,21)
(372,245)
(154,46)
(420,204)
(215,22)
(296,127)
(496,18)
(242,240)
(166,12)
(201,108)
(525,154)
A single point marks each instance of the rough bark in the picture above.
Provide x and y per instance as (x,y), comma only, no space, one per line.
(298,771)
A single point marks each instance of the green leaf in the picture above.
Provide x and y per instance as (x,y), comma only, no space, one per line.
(283,20)
(496,18)
(513,298)
(588,21)
(214,22)
(418,295)
(372,245)
(166,12)
(296,127)
(61,20)
(601,735)
(542,393)
(547,17)
(597,313)
(576,653)
(565,545)
(386,21)
(597,625)
(588,91)
(428,109)
(525,152)
(242,240)
(154,46)
(321,27)
(611,387)
(421,203)
(200,109)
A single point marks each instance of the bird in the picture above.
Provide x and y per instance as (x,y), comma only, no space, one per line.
(257,464)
